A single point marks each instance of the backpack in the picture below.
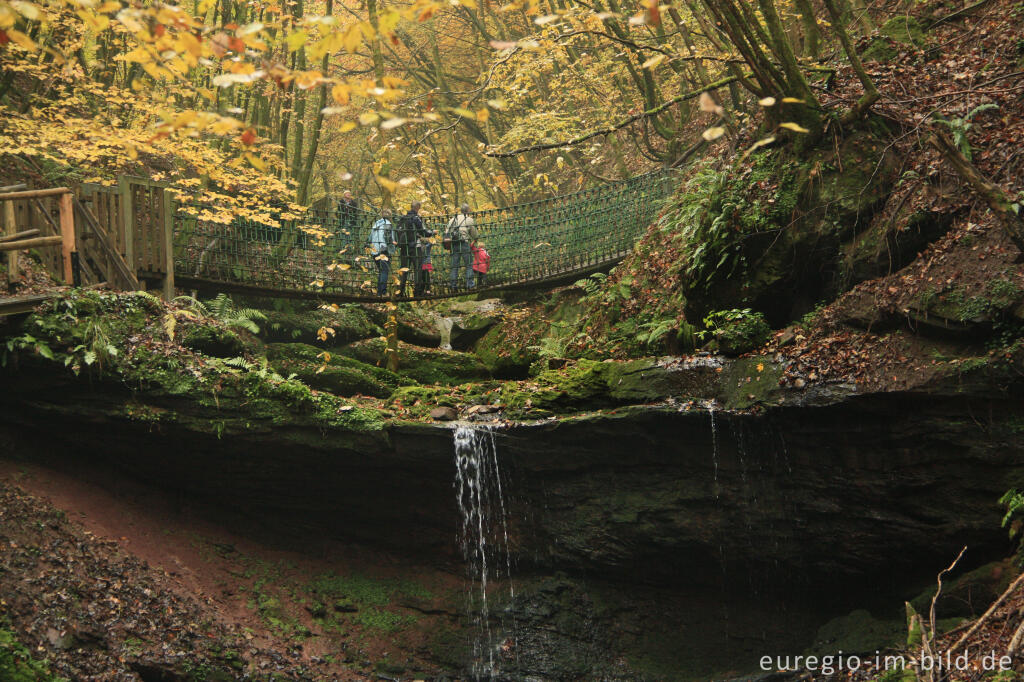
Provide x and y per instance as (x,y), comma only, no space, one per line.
(453,234)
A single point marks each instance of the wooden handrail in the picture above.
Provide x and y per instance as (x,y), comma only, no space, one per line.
(31,243)
(24,234)
(34,194)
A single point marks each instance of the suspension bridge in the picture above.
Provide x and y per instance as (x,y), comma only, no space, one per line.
(138,234)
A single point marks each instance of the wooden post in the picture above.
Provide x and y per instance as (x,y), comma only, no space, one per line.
(168,237)
(128,222)
(10,228)
(67,233)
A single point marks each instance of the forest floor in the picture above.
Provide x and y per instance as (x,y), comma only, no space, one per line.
(125,584)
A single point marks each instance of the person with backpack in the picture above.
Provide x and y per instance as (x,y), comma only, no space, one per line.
(481,263)
(410,232)
(461,234)
(382,243)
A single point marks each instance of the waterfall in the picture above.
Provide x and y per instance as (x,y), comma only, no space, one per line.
(483,535)
(714,442)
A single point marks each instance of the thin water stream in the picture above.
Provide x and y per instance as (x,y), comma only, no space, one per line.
(483,537)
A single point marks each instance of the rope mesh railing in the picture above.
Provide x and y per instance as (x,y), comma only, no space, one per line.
(327,252)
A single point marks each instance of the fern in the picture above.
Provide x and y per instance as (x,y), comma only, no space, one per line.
(1014,501)
(959,127)
(222,308)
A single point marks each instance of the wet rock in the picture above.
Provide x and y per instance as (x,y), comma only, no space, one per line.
(444,414)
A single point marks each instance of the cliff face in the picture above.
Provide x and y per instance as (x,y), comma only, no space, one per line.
(613,516)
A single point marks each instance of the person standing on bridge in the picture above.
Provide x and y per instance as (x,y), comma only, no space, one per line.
(382,244)
(347,217)
(410,232)
(463,234)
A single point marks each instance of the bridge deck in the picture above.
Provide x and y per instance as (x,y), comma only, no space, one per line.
(327,257)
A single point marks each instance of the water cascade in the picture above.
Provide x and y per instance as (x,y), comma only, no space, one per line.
(483,536)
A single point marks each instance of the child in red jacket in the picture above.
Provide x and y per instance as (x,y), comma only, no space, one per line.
(481,263)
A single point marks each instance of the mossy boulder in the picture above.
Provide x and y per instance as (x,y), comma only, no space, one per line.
(591,384)
(427,366)
(891,243)
(857,631)
(350,322)
(970,594)
(895,34)
(215,341)
(339,375)
(768,235)
(502,358)
(118,339)
(511,346)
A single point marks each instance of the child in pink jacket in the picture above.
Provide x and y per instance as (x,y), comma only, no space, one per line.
(481,263)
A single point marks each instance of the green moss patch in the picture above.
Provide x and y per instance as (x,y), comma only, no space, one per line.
(123,338)
(427,366)
(349,322)
(329,371)
(17,664)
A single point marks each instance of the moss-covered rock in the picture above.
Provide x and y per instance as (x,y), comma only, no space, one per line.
(119,340)
(769,235)
(591,384)
(340,375)
(350,322)
(857,631)
(895,34)
(891,243)
(543,329)
(427,366)
(505,359)
(215,341)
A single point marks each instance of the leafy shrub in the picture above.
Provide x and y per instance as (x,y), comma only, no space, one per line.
(720,210)
(737,331)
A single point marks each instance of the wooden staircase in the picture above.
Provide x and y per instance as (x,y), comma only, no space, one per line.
(118,237)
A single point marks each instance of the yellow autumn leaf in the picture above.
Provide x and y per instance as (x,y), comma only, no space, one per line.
(713,133)
(795,127)
(22,40)
(256,162)
(653,61)
(296,40)
(347,126)
(353,38)
(767,102)
(387,183)
(792,100)
(340,93)
(483,115)
(392,123)
(26,9)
